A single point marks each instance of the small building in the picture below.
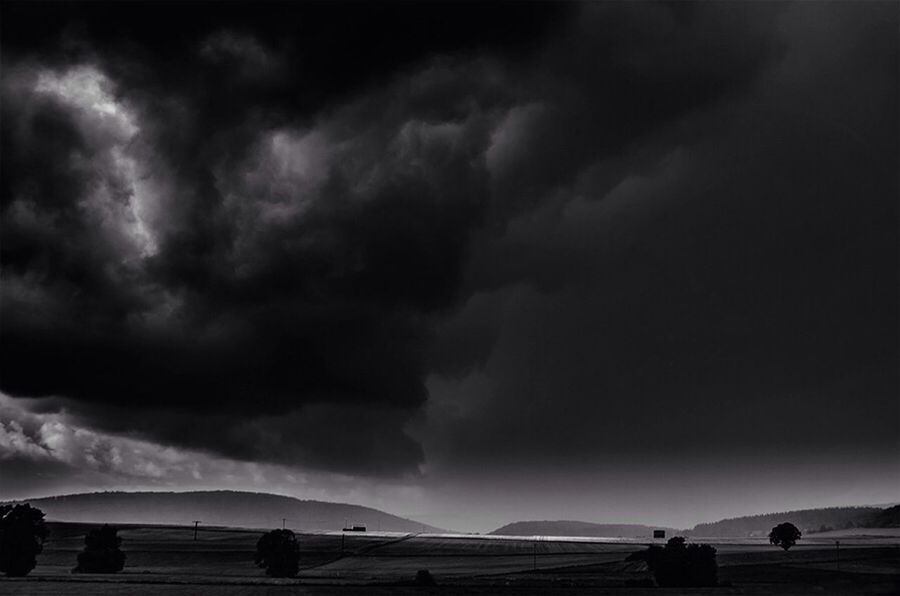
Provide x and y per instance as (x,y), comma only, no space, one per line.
(355,529)
(659,533)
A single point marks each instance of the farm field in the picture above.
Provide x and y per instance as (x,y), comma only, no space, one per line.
(167,560)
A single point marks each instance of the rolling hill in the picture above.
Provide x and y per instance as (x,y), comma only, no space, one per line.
(579,528)
(219,508)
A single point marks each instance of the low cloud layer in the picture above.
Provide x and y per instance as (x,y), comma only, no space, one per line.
(47,452)
(51,451)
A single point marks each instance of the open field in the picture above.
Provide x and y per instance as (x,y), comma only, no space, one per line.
(167,560)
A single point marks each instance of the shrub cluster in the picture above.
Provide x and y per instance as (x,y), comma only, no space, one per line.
(680,565)
(101,552)
(278,553)
(22,535)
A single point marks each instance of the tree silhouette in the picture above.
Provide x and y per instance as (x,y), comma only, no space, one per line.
(22,535)
(784,535)
(679,565)
(278,552)
(101,552)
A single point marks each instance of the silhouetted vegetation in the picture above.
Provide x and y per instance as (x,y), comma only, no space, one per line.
(278,553)
(102,553)
(639,583)
(886,518)
(680,565)
(424,578)
(22,536)
(784,535)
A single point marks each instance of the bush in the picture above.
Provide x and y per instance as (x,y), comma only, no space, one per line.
(279,553)
(424,578)
(101,552)
(639,583)
(22,535)
(679,565)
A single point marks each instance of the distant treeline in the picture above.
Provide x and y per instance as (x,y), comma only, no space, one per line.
(886,518)
(808,520)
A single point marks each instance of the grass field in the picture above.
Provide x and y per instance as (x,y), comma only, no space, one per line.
(167,560)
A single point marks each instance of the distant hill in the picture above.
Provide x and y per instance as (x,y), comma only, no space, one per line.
(579,528)
(219,508)
(808,520)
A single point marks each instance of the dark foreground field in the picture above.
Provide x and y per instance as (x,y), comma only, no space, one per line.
(167,561)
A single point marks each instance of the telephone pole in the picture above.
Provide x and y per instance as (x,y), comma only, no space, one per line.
(196,523)
(283,520)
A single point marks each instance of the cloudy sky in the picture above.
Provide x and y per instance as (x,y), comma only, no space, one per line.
(467,263)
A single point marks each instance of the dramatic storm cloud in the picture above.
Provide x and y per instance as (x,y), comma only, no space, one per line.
(435,243)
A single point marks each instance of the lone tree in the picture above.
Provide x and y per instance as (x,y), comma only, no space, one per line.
(279,553)
(101,552)
(784,535)
(680,565)
(22,535)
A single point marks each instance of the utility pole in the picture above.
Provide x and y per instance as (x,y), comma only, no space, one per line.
(837,547)
(342,541)
(283,521)
(196,523)
(534,555)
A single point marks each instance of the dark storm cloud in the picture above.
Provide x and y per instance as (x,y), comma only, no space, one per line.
(241,229)
(614,75)
(260,234)
(736,293)
(300,268)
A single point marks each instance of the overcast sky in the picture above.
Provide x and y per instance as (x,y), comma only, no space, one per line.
(465,263)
